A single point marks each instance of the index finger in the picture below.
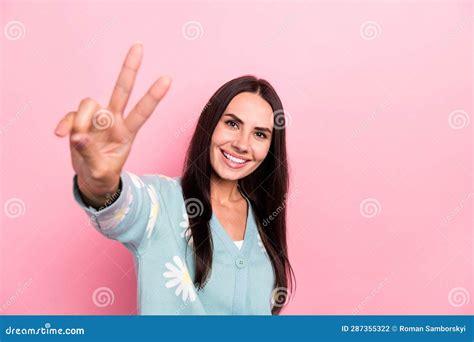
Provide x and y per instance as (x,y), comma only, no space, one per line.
(123,86)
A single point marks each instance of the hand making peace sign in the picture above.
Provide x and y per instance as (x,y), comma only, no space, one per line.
(101,138)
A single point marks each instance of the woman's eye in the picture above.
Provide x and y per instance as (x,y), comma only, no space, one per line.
(234,124)
(231,123)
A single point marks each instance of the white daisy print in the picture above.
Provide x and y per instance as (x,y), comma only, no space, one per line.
(136,180)
(180,278)
(186,233)
(153,211)
(117,215)
(260,243)
(172,180)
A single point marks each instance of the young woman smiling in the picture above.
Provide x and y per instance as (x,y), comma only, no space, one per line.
(235,175)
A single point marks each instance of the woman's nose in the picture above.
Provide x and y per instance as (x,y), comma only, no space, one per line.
(240,144)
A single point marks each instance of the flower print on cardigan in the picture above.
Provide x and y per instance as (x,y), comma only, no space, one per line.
(154,206)
(170,179)
(232,289)
(186,233)
(136,180)
(116,216)
(180,278)
(154,209)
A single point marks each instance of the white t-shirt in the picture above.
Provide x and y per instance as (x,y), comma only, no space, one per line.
(239,243)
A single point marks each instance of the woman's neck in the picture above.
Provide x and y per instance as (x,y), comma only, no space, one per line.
(224,191)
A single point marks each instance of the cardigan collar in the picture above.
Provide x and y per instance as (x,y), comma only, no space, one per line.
(249,235)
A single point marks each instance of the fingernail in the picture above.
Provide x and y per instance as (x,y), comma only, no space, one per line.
(167,79)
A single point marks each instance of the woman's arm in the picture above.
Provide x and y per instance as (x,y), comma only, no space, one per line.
(119,204)
(132,214)
(97,201)
(101,138)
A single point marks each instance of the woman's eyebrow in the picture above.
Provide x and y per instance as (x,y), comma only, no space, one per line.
(236,118)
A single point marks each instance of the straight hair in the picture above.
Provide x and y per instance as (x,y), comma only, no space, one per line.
(266,188)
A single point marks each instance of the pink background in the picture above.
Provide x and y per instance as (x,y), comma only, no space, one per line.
(379,97)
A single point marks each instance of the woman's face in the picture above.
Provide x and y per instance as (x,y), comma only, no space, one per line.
(241,139)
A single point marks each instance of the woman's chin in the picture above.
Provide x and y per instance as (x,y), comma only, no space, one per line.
(230,175)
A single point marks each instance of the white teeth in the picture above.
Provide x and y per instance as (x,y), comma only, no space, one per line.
(235,160)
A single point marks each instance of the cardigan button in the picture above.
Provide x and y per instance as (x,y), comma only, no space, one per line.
(240,263)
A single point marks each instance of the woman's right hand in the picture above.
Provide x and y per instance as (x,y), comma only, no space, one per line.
(101,138)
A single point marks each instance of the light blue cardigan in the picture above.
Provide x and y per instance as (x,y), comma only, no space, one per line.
(150,219)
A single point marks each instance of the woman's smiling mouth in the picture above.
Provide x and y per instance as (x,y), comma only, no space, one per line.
(233,161)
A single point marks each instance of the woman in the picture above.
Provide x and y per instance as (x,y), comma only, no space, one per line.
(228,207)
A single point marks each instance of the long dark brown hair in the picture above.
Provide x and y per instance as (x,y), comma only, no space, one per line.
(266,187)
